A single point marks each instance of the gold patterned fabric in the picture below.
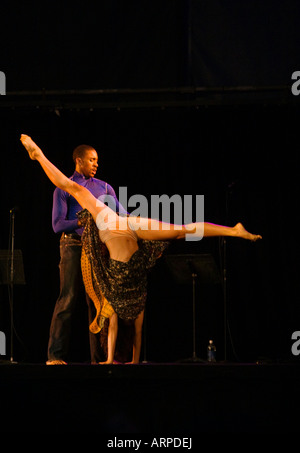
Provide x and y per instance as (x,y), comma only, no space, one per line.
(103,308)
(115,286)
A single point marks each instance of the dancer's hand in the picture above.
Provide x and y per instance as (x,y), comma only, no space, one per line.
(33,150)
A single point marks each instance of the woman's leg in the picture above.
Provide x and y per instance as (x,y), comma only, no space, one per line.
(145,228)
(161,231)
(137,340)
(237,231)
(82,195)
(111,339)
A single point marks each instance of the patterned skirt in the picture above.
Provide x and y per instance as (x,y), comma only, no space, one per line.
(115,286)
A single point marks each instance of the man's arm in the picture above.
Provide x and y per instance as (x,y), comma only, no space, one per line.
(59,213)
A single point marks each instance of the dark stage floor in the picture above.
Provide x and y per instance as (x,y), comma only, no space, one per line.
(178,399)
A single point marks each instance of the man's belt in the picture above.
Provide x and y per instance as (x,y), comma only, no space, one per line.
(71,236)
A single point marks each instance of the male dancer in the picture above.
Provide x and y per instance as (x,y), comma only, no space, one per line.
(64,221)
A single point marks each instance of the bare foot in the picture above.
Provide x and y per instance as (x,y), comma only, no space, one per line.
(33,150)
(241,232)
(110,362)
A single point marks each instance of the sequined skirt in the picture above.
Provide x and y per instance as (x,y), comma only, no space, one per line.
(115,286)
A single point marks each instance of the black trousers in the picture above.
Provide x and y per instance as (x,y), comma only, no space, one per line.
(71,294)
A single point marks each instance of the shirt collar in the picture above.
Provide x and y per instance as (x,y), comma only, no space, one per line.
(79,176)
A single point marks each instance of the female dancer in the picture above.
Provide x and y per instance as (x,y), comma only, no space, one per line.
(118,285)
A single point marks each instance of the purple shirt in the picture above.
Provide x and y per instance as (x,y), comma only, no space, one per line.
(65,207)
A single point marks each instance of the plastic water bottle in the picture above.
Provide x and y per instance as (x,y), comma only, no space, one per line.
(211,351)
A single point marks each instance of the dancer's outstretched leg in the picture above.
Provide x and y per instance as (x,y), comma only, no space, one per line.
(238,231)
(161,231)
(145,228)
(82,195)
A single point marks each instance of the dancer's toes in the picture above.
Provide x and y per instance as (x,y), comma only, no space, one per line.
(107,362)
(32,148)
(256,237)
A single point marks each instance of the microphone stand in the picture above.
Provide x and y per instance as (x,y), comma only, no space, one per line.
(225,274)
(194,276)
(225,297)
(229,189)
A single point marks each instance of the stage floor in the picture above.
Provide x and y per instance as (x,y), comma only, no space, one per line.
(173,398)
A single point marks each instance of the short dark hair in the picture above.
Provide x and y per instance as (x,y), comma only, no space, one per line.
(80,151)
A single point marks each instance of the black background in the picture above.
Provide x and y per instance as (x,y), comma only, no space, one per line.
(241,152)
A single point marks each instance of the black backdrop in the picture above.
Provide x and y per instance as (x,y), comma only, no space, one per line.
(185,149)
(148,44)
(172,151)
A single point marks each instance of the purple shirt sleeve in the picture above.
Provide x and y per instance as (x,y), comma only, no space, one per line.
(59,213)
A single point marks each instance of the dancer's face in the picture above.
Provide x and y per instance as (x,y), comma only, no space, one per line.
(88,164)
